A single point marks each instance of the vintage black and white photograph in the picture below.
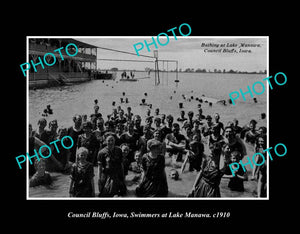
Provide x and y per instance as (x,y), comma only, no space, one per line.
(147,117)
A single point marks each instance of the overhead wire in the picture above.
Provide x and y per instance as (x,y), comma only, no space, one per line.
(124,52)
(134,60)
(126,60)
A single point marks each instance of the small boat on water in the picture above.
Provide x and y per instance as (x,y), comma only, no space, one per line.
(128,79)
(133,79)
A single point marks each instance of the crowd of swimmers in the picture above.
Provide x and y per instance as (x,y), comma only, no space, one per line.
(119,144)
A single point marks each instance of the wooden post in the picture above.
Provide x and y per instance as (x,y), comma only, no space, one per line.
(157,81)
(177,74)
(96,60)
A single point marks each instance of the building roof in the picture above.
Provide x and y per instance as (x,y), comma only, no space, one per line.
(79,43)
(40,49)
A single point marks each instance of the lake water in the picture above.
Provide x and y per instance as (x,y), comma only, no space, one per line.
(79,98)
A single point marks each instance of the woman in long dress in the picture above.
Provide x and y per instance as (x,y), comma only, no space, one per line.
(111,170)
(154,181)
(208,179)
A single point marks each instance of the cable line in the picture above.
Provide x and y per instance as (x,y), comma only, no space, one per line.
(126,60)
(124,52)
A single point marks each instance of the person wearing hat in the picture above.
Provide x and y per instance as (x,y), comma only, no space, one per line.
(154,180)
(88,140)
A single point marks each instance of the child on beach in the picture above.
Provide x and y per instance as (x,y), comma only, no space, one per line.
(82,176)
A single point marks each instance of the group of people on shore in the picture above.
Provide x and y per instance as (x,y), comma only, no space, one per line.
(121,144)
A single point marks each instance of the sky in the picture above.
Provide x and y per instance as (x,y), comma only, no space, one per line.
(191,52)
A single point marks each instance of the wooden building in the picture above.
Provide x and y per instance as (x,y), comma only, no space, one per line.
(79,68)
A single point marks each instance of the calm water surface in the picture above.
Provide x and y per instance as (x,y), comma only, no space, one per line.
(79,98)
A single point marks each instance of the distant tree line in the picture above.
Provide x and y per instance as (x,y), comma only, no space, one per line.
(199,70)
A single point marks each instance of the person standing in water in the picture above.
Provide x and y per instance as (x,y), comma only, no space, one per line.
(154,180)
(208,179)
(82,174)
(251,134)
(111,181)
(74,131)
(88,140)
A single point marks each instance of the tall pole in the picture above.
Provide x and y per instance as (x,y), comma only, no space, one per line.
(96,60)
(177,74)
(156,67)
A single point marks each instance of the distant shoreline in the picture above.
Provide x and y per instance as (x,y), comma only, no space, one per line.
(205,72)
